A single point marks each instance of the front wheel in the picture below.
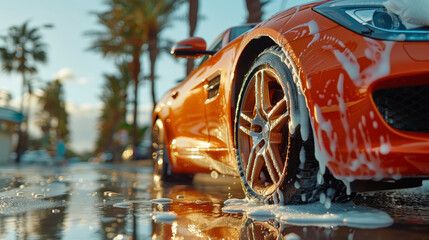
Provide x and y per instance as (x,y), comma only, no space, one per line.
(273,137)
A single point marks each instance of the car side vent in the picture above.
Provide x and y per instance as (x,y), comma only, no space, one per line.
(404,108)
(213,87)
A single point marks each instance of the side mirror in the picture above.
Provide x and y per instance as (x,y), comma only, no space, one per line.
(193,47)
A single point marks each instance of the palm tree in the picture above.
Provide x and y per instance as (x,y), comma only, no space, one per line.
(193,19)
(254,8)
(123,37)
(129,25)
(157,15)
(53,119)
(21,51)
(114,97)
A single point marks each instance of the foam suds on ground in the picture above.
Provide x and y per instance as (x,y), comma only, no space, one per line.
(314,214)
(162,200)
(164,217)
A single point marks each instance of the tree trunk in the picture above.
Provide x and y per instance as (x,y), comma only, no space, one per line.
(27,114)
(135,70)
(254,8)
(19,147)
(193,19)
(153,54)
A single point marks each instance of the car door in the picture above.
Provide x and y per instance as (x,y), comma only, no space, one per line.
(214,73)
(218,107)
(187,117)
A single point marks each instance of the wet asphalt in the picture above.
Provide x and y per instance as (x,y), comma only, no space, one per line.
(113,201)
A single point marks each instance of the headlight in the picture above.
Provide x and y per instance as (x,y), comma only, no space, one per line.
(371,19)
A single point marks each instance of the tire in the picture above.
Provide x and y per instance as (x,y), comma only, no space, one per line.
(162,172)
(272,134)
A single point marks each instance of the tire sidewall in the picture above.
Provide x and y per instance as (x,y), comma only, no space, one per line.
(271,59)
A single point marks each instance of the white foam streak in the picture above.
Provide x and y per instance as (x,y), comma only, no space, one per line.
(357,136)
(349,62)
(356,149)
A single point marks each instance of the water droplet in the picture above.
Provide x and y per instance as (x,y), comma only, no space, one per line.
(322,198)
(214,174)
(292,236)
(296,184)
(121,237)
(327,203)
(123,205)
(39,195)
(110,194)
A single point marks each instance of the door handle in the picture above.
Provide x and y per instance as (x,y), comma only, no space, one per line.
(174,94)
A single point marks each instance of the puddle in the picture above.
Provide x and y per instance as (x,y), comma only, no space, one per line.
(86,201)
(21,205)
(39,191)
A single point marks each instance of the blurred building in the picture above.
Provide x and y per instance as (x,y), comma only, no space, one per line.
(9,120)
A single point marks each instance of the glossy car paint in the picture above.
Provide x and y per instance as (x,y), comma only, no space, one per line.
(336,71)
(194,43)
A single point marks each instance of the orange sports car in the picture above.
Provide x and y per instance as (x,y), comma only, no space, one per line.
(317,102)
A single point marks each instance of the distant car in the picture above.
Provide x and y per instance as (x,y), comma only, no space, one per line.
(142,151)
(318,101)
(37,156)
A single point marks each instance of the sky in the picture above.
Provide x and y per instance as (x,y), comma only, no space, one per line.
(82,70)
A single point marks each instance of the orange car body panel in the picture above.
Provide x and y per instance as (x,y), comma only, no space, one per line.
(338,70)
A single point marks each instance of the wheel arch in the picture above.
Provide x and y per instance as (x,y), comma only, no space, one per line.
(254,46)
(248,55)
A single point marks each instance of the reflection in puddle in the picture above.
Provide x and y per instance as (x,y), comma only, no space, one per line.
(118,202)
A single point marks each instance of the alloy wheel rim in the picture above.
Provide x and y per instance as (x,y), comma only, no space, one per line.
(262,135)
